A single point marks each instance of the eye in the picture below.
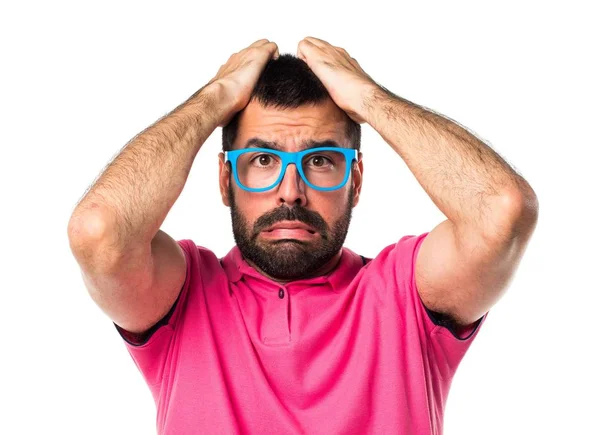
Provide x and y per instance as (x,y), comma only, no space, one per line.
(262,159)
(319,161)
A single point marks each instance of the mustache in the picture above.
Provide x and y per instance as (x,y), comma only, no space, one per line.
(296,213)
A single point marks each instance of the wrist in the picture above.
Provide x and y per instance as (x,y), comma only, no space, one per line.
(208,102)
(379,105)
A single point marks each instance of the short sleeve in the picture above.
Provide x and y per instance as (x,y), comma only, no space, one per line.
(151,350)
(441,323)
(444,345)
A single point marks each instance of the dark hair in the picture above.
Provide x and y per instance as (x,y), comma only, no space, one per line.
(287,82)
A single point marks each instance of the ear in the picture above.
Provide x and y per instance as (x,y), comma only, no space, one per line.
(357,174)
(224,177)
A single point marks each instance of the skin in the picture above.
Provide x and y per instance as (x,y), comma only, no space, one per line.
(465,263)
(289,128)
(134,270)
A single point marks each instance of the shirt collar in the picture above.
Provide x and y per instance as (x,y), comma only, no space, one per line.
(350,263)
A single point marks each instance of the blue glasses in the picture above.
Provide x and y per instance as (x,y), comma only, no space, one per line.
(260,169)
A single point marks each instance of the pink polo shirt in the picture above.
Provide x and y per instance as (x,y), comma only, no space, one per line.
(352,352)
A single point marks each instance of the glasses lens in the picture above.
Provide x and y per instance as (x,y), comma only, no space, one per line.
(257,170)
(324,168)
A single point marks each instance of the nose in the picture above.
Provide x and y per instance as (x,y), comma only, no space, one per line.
(292,190)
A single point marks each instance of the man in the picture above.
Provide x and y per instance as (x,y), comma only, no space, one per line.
(291,332)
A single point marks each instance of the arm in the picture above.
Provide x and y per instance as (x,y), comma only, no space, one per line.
(467,261)
(132,269)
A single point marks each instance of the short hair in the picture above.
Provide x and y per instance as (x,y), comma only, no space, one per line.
(287,82)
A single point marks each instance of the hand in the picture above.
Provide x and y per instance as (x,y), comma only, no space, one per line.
(239,75)
(347,83)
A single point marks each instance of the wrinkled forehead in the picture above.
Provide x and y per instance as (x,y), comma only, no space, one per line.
(292,129)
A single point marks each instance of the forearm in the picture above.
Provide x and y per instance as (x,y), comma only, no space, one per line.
(128,203)
(471,184)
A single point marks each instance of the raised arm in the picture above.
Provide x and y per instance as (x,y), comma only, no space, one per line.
(132,269)
(466,262)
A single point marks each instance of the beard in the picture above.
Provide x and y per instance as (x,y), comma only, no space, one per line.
(288,259)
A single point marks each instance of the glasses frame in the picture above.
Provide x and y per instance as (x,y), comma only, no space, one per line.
(287,158)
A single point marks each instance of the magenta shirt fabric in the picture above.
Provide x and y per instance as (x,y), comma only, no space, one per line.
(354,352)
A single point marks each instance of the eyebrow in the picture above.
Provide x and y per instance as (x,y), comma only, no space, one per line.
(306,144)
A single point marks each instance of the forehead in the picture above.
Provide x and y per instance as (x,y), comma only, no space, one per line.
(292,129)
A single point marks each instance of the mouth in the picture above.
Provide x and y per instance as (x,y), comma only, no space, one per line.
(290,225)
(290,230)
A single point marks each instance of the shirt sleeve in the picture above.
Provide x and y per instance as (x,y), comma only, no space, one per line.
(151,350)
(445,344)
(438,323)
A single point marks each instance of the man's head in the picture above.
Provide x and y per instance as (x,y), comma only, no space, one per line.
(289,106)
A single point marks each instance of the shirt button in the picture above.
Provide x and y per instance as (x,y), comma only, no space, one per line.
(280,293)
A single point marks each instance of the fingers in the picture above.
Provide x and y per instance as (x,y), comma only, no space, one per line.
(305,47)
(259,42)
(311,43)
(265,43)
(318,42)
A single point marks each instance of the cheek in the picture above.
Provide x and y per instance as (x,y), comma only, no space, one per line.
(251,206)
(329,205)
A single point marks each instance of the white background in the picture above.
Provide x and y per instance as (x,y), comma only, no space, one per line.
(80,79)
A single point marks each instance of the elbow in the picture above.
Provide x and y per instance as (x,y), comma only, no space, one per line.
(86,226)
(520,210)
(512,215)
(87,234)
(526,205)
